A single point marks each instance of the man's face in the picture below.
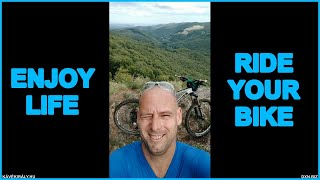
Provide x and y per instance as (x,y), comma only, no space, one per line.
(158,120)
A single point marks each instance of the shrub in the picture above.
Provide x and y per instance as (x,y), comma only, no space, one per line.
(115,87)
(137,83)
(122,76)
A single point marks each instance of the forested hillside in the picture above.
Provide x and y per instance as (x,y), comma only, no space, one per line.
(159,52)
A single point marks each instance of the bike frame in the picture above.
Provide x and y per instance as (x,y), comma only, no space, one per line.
(183,93)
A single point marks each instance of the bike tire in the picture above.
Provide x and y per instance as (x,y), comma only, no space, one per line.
(122,116)
(192,122)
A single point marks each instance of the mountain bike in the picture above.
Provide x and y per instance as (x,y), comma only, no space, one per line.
(197,119)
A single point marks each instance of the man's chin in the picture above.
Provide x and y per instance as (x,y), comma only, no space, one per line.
(157,152)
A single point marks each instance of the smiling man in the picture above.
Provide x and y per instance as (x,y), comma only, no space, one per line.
(159,154)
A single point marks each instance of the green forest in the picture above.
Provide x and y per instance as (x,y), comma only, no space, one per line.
(160,52)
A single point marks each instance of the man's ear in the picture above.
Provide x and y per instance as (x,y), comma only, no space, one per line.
(179,115)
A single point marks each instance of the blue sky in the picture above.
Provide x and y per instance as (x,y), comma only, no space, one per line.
(149,13)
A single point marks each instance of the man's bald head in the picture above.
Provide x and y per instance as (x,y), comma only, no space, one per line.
(150,95)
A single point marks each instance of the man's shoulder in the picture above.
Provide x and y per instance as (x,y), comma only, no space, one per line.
(191,152)
(195,162)
(121,160)
(125,151)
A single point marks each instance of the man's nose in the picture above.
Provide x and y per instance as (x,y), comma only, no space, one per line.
(156,123)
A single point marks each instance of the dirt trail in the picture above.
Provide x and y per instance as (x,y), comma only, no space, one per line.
(118,139)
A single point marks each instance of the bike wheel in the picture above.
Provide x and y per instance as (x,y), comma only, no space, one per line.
(196,126)
(125,116)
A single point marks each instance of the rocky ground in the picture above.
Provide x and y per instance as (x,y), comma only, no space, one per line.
(117,138)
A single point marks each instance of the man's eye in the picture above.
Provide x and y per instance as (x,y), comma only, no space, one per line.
(146,117)
(166,115)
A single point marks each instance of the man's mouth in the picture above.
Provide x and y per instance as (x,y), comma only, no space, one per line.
(156,137)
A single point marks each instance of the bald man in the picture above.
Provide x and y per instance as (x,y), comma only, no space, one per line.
(159,154)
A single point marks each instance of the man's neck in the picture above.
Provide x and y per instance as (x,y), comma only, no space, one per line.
(160,163)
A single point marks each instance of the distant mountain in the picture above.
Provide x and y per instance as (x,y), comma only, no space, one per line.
(136,34)
(122,26)
(192,35)
(161,51)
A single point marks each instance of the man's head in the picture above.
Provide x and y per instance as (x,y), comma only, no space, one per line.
(158,117)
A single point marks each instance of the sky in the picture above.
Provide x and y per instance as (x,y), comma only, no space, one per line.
(151,13)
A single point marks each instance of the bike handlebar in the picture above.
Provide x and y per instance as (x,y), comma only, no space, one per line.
(182,78)
(200,81)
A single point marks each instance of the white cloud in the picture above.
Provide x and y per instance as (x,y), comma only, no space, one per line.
(159,12)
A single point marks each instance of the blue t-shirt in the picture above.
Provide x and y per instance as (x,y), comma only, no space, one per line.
(187,162)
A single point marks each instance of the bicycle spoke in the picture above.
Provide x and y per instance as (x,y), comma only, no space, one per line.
(126,117)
